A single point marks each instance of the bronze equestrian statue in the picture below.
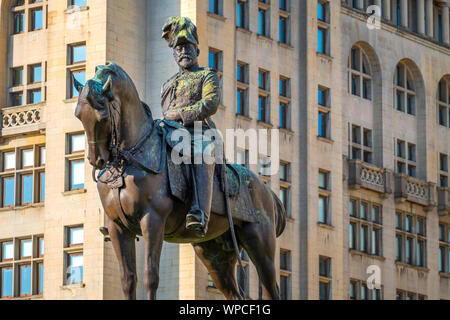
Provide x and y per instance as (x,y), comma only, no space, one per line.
(143,192)
(193,94)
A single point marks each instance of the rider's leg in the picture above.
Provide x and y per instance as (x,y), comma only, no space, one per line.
(202,171)
(198,217)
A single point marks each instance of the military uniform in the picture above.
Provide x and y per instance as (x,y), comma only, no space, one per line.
(193,95)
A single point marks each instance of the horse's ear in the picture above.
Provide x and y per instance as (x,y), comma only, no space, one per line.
(107,86)
(77,85)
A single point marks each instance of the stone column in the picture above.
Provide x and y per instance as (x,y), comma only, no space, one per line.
(387,10)
(404,13)
(445,23)
(421,16)
(429,18)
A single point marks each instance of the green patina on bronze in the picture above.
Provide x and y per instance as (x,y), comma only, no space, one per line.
(179,29)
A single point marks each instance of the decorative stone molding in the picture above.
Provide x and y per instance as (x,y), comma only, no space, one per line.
(16,120)
(443,201)
(367,176)
(415,190)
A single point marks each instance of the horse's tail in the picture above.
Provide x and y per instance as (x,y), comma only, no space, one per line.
(280,214)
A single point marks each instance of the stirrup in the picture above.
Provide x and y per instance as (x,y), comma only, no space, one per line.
(194,225)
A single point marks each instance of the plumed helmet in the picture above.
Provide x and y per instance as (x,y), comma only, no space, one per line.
(178,30)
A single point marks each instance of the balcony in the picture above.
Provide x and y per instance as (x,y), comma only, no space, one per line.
(367,176)
(22,119)
(443,201)
(415,190)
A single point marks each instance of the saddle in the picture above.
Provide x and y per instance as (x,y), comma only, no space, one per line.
(155,154)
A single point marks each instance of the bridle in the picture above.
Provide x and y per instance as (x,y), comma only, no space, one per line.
(119,157)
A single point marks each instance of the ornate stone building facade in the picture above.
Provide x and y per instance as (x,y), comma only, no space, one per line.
(364,119)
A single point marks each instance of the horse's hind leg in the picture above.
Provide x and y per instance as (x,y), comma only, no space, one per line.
(221,265)
(259,242)
(124,246)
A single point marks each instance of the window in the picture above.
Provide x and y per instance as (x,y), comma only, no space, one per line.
(21,273)
(323,29)
(242,72)
(324,204)
(285,274)
(242,14)
(284,5)
(443,170)
(77,53)
(285,103)
(284,22)
(404,90)
(74,254)
(19,22)
(20,84)
(242,89)
(323,96)
(284,116)
(324,125)
(75,161)
(404,295)
(215,6)
(411,239)
(360,291)
(215,59)
(360,75)
(20,166)
(444,102)
(285,172)
(284,85)
(406,158)
(361,146)
(444,248)
(16,99)
(285,187)
(242,158)
(263,109)
(76,60)
(17,76)
(322,11)
(34,96)
(325,278)
(324,180)
(264,166)
(36,19)
(77,3)
(7,282)
(324,114)
(366,229)
(215,62)
(264,22)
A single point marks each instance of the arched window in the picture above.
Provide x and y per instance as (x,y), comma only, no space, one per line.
(360,74)
(405,93)
(444,102)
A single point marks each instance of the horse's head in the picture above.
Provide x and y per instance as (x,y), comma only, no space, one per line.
(99,109)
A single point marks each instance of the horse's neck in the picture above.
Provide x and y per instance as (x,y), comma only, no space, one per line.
(135,122)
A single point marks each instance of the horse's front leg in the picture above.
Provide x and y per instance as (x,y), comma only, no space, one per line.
(124,246)
(152,225)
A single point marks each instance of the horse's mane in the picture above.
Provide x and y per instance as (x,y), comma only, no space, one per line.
(112,68)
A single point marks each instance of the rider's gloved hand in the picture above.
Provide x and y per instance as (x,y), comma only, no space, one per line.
(172,115)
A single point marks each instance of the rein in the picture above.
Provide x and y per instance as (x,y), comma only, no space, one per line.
(120,156)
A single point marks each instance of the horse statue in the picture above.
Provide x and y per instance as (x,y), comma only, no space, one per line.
(138,200)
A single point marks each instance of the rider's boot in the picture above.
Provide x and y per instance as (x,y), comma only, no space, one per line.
(198,217)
